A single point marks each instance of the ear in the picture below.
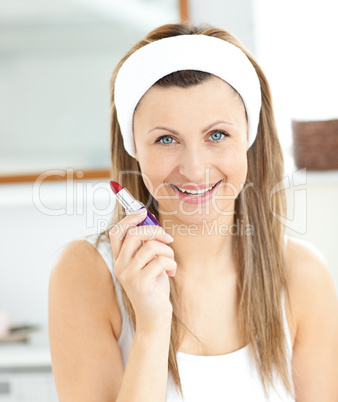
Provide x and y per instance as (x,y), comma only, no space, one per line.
(136,156)
(135,150)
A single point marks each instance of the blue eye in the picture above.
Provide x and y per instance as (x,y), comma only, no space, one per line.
(218,132)
(165,137)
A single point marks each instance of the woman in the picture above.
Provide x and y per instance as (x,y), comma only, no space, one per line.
(230,310)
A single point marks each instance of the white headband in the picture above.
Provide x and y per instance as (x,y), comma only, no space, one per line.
(184,52)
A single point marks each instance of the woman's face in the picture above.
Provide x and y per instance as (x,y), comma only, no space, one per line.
(193,136)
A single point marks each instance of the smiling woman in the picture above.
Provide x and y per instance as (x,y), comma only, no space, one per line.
(213,314)
(194,116)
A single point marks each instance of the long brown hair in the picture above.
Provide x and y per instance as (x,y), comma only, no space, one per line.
(261,259)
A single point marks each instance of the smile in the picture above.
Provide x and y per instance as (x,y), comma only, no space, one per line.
(196,193)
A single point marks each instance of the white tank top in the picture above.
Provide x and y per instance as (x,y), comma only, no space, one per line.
(221,378)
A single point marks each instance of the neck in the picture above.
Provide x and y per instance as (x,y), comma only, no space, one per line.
(202,251)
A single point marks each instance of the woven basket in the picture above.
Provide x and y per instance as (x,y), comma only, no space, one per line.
(315,144)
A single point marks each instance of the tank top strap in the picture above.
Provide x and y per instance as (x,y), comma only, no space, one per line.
(286,326)
(285,239)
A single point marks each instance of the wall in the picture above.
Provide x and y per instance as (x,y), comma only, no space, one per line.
(56,62)
(36,223)
(313,214)
(234,16)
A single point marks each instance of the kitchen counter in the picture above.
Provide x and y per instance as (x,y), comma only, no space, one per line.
(25,370)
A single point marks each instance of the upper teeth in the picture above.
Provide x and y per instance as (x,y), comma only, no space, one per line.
(195,191)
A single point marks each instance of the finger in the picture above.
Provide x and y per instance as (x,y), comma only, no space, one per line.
(118,232)
(135,236)
(158,265)
(148,252)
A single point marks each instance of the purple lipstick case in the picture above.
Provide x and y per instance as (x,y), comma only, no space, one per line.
(149,220)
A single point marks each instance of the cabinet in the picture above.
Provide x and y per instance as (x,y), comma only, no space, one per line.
(25,371)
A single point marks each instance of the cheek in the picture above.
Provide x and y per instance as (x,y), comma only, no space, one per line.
(235,171)
(149,156)
(235,167)
(154,173)
(242,168)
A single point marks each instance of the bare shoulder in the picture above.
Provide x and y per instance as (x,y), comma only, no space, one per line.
(311,284)
(315,310)
(81,266)
(306,263)
(309,277)
(78,265)
(77,251)
(86,359)
(81,258)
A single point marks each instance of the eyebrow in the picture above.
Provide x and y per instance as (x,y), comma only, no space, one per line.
(203,131)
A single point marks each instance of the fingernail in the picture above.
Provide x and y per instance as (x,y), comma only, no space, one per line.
(169,237)
(141,211)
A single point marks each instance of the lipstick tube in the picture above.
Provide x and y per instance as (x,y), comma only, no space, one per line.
(130,204)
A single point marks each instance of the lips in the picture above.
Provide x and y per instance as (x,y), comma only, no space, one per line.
(196,187)
(193,199)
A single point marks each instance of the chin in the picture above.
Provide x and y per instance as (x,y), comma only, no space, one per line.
(198,217)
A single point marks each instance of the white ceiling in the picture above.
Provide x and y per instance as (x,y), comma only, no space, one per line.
(35,26)
(32,11)
(14,12)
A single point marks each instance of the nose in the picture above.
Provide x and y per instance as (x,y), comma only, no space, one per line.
(194,165)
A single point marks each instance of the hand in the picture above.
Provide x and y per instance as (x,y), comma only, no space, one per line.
(142,262)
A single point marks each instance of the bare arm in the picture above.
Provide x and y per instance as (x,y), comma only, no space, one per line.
(315,354)
(86,358)
(145,377)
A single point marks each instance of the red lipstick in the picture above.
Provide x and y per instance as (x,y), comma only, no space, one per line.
(115,186)
(130,204)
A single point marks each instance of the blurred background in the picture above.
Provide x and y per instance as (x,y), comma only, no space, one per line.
(56,59)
